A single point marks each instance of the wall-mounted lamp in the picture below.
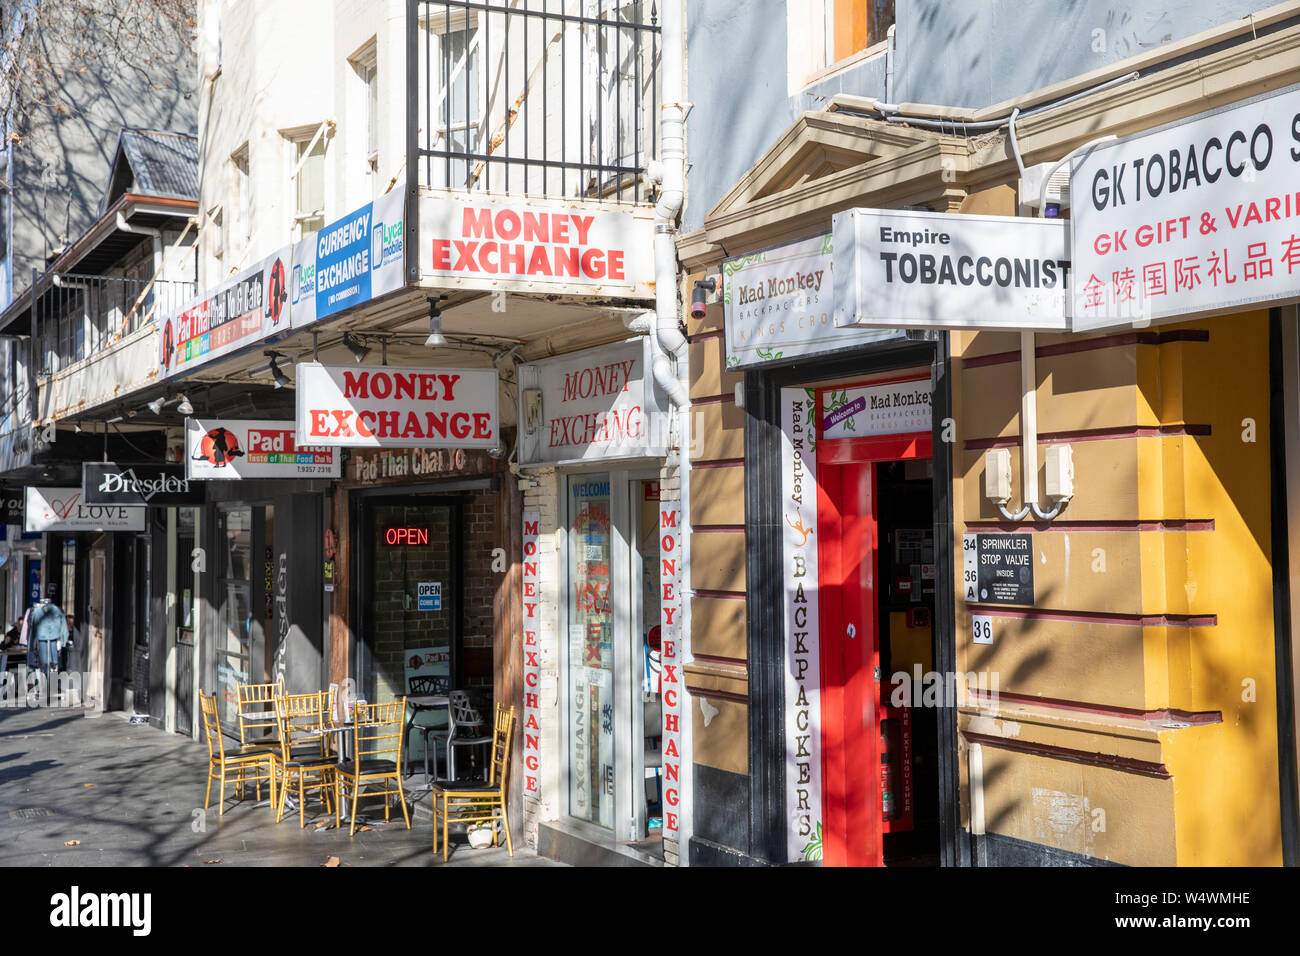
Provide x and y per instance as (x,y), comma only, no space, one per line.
(281,380)
(700,296)
(185,408)
(353,345)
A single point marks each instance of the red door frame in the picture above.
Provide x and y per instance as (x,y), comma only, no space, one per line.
(848,566)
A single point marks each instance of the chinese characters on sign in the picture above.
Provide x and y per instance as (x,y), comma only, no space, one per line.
(1198,217)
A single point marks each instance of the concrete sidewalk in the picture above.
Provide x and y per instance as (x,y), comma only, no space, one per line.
(133,796)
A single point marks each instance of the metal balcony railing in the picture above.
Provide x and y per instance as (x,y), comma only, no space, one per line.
(77,315)
(545,97)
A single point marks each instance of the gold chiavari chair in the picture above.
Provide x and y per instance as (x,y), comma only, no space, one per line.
(224,763)
(259,728)
(478,803)
(304,756)
(378,738)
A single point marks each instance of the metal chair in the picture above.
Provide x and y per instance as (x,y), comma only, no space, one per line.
(304,754)
(379,734)
(224,764)
(468,729)
(423,686)
(470,803)
(258,727)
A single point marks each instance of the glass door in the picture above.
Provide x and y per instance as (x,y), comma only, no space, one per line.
(611,613)
(235,534)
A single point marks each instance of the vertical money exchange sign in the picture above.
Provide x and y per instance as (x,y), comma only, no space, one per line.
(1198,217)
(670,658)
(532,666)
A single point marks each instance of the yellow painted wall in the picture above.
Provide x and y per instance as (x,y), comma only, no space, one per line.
(1220,804)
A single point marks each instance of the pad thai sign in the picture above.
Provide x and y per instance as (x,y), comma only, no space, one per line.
(380,406)
(240,312)
(536,247)
(226,449)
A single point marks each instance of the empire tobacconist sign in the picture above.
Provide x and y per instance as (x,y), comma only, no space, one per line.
(536,246)
(1197,217)
(597,403)
(377,406)
(945,271)
(777,304)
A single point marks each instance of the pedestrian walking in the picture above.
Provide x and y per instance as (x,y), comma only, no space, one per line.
(47,630)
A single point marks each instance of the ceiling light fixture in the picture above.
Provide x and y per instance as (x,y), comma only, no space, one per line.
(353,344)
(436,337)
(157,404)
(185,408)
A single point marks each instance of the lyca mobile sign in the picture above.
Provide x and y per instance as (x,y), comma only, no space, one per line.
(535,247)
(935,270)
(374,406)
(1197,217)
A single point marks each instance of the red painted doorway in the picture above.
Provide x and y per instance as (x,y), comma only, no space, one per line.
(858,790)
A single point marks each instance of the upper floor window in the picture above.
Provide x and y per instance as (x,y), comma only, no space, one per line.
(827,35)
(540,98)
(308,155)
(243,196)
(365,103)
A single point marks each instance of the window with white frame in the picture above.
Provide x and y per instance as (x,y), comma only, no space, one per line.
(458,94)
(827,35)
(365,136)
(243,197)
(308,157)
(216,235)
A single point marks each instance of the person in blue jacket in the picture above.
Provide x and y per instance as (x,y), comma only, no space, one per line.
(47,630)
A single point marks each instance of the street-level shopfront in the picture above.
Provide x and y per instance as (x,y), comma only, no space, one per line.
(593,426)
(1100,661)
(417,587)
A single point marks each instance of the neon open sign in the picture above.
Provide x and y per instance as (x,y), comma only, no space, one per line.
(411,536)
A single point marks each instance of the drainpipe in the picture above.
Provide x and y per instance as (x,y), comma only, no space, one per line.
(668,337)
(1029,378)
(891,54)
(124,226)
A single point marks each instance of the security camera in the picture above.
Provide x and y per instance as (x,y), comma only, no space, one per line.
(700,296)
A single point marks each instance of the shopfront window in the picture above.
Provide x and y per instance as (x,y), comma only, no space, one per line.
(591,652)
(236,607)
(412,617)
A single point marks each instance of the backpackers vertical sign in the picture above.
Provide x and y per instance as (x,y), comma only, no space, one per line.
(803,732)
(670,657)
(532,668)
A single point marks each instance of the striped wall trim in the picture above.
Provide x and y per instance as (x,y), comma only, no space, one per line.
(720,694)
(1171,716)
(722,595)
(1144,768)
(1118,340)
(713,399)
(1135,524)
(719,463)
(717,659)
(705,335)
(1098,617)
(1093,434)
(717,528)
